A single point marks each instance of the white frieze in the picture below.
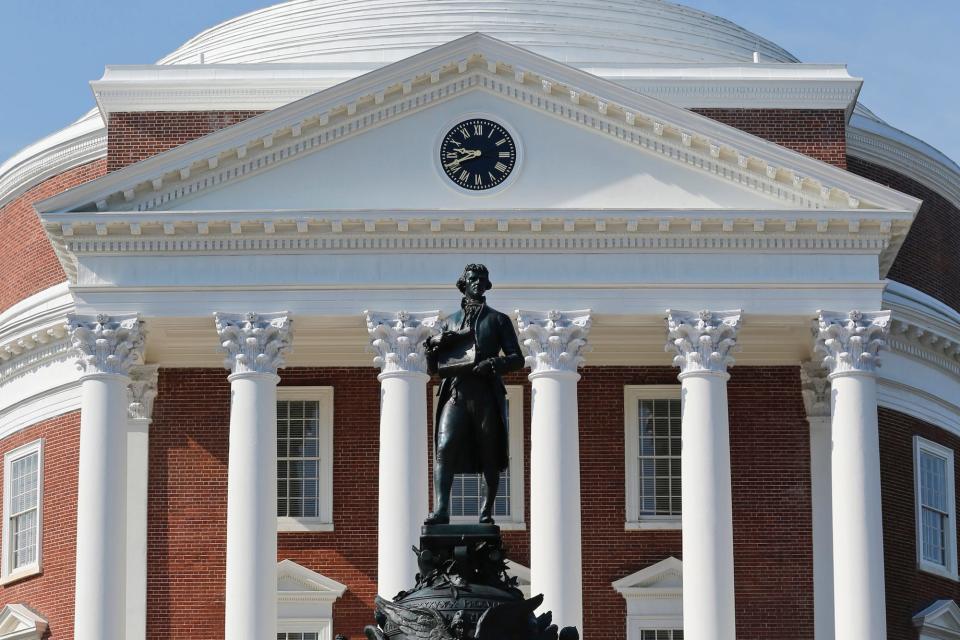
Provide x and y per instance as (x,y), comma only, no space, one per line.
(703,341)
(815,387)
(554,340)
(142,391)
(107,344)
(850,341)
(254,342)
(397,339)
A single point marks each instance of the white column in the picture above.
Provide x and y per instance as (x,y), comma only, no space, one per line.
(398,340)
(816,400)
(703,342)
(850,342)
(554,342)
(255,346)
(107,348)
(142,391)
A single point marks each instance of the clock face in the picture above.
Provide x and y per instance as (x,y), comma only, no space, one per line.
(478,154)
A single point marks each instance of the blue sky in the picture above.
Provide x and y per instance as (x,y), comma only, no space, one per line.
(906,52)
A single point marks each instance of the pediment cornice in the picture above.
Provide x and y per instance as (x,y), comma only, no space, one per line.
(478,63)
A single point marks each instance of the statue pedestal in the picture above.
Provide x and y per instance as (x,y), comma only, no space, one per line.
(463,592)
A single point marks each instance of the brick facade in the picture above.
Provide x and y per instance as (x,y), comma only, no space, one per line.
(929,259)
(134,136)
(770,464)
(909,590)
(818,133)
(51,592)
(24,243)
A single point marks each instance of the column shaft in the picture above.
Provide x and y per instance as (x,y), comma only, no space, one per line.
(101,550)
(403,498)
(398,340)
(555,549)
(255,346)
(251,606)
(860,599)
(821,502)
(708,585)
(850,343)
(702,342)
(554,342)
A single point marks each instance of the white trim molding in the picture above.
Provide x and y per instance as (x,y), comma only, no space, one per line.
(7,571)
(20,622)
(654,597)
(939,621)
(949,568)
(632,394)
(324,397)
(305,600)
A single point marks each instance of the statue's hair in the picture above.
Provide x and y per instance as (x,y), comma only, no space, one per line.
(479,268)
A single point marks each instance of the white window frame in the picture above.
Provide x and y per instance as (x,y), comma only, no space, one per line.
(8,575)
(324,396)
(632,395)
(323,628)
(950,569)
(305,600)
(654,598)
(515,521)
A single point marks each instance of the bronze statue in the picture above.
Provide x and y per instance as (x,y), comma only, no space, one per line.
(470,434)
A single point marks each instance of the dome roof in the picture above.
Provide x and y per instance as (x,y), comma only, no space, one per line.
(582,33)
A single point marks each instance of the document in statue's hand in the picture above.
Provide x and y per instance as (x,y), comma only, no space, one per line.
(456,354)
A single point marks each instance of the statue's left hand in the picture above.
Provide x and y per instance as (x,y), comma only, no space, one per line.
(485,369)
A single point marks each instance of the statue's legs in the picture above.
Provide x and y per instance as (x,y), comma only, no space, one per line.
(491,476)
(442,484)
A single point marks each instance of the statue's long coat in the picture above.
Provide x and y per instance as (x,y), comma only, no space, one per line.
(493,332)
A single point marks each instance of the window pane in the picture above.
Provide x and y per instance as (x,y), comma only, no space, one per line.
(659,461)
(298,458)
(661,634)
(24,490)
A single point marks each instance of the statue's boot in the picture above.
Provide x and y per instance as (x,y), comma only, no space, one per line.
(491,479)
(440,516)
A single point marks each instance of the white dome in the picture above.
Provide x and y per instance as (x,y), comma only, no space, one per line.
(582,33)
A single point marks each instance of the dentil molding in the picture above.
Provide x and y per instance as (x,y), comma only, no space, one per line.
(254,343)
(554,340)
(702,341)
(398,339)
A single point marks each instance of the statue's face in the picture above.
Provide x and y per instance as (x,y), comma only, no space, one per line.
(477,285)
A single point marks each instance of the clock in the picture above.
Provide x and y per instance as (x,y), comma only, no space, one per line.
(478,154)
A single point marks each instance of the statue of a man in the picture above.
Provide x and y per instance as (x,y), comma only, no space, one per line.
(470,434)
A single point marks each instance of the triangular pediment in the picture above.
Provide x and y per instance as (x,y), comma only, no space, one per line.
(19,622)
(940,620)
(666,574)
(294,580)
(586,143)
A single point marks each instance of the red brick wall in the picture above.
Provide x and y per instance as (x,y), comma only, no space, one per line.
(133,136)
(23,242)
(929,259)
(51,592)
(819,133)
(908,589)
(770,465)
(769,455)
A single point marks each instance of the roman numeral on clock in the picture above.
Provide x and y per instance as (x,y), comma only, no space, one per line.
(500,167)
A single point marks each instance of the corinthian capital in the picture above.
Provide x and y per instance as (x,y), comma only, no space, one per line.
(142,391)
(815,387)
(254,342)
(554,340)
(851,341)
(106,344)
(397,339)
(702,340)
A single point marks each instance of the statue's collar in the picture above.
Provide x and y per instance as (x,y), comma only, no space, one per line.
(467,303)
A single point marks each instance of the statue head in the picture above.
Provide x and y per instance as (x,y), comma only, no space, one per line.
(474,281)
